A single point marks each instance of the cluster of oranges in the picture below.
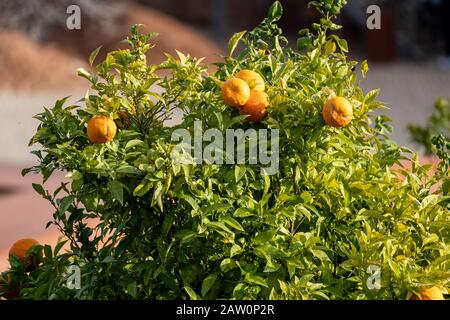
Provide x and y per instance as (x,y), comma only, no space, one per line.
(23,251)
(246,91)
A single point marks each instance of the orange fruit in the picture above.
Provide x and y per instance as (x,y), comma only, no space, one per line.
(337,112)
(235,92)
(9,291)
(253,79)
(433,293)
(101,129)
(256,106)
(20,250)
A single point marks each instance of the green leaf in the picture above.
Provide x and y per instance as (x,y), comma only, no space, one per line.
(93,55)
(232,223)
(266,184)
(430,201)
(330,47)
(192,202)
(84,74)
(59,246)
(235,250)
(234,40)
(134,143)
(182,57)
(191,293)
(302,43)
(65,203)
(128,169)
(243,213)
(142,188)
(254,279)
(157,195)
(364,68)
(320,294)
(207,283)
(48,251)
(320,254)
(239,172)
(371,95)
(185,236)
(342,43)
(227,265)
(275,11)
(431,239)
(135,29)
(265,236)
(116,189)
(167,224)
(132,289)
(26,171)
(39,189)
(108,259)
(220,226)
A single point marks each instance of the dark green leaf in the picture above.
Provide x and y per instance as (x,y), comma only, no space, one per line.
(116,189)
(207,283)
(275,11)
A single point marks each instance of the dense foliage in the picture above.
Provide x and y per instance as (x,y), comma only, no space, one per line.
(140,226)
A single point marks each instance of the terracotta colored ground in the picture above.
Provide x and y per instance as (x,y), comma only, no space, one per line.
(28,66)
(23,214)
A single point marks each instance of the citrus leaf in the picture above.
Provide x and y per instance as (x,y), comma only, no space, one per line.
(275,11)
(227,265)
(191,293)
(232,223)
(254,279)
(93,55)
(116,189)
(234,40)
(207,283)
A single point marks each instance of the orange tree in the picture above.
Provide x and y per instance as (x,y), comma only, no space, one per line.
(340,206)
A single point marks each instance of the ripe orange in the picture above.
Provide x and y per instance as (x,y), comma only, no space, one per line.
(10,292)
(253,79)
(235,92)
(101,129)
(256,106)
(337,112)
(20,250)
(433,293)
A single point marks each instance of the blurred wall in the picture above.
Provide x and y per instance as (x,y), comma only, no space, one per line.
(221,18)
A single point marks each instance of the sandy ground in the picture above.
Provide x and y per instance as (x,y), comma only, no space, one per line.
(408,89)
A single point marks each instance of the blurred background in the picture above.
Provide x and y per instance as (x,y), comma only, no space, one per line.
(409,59)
